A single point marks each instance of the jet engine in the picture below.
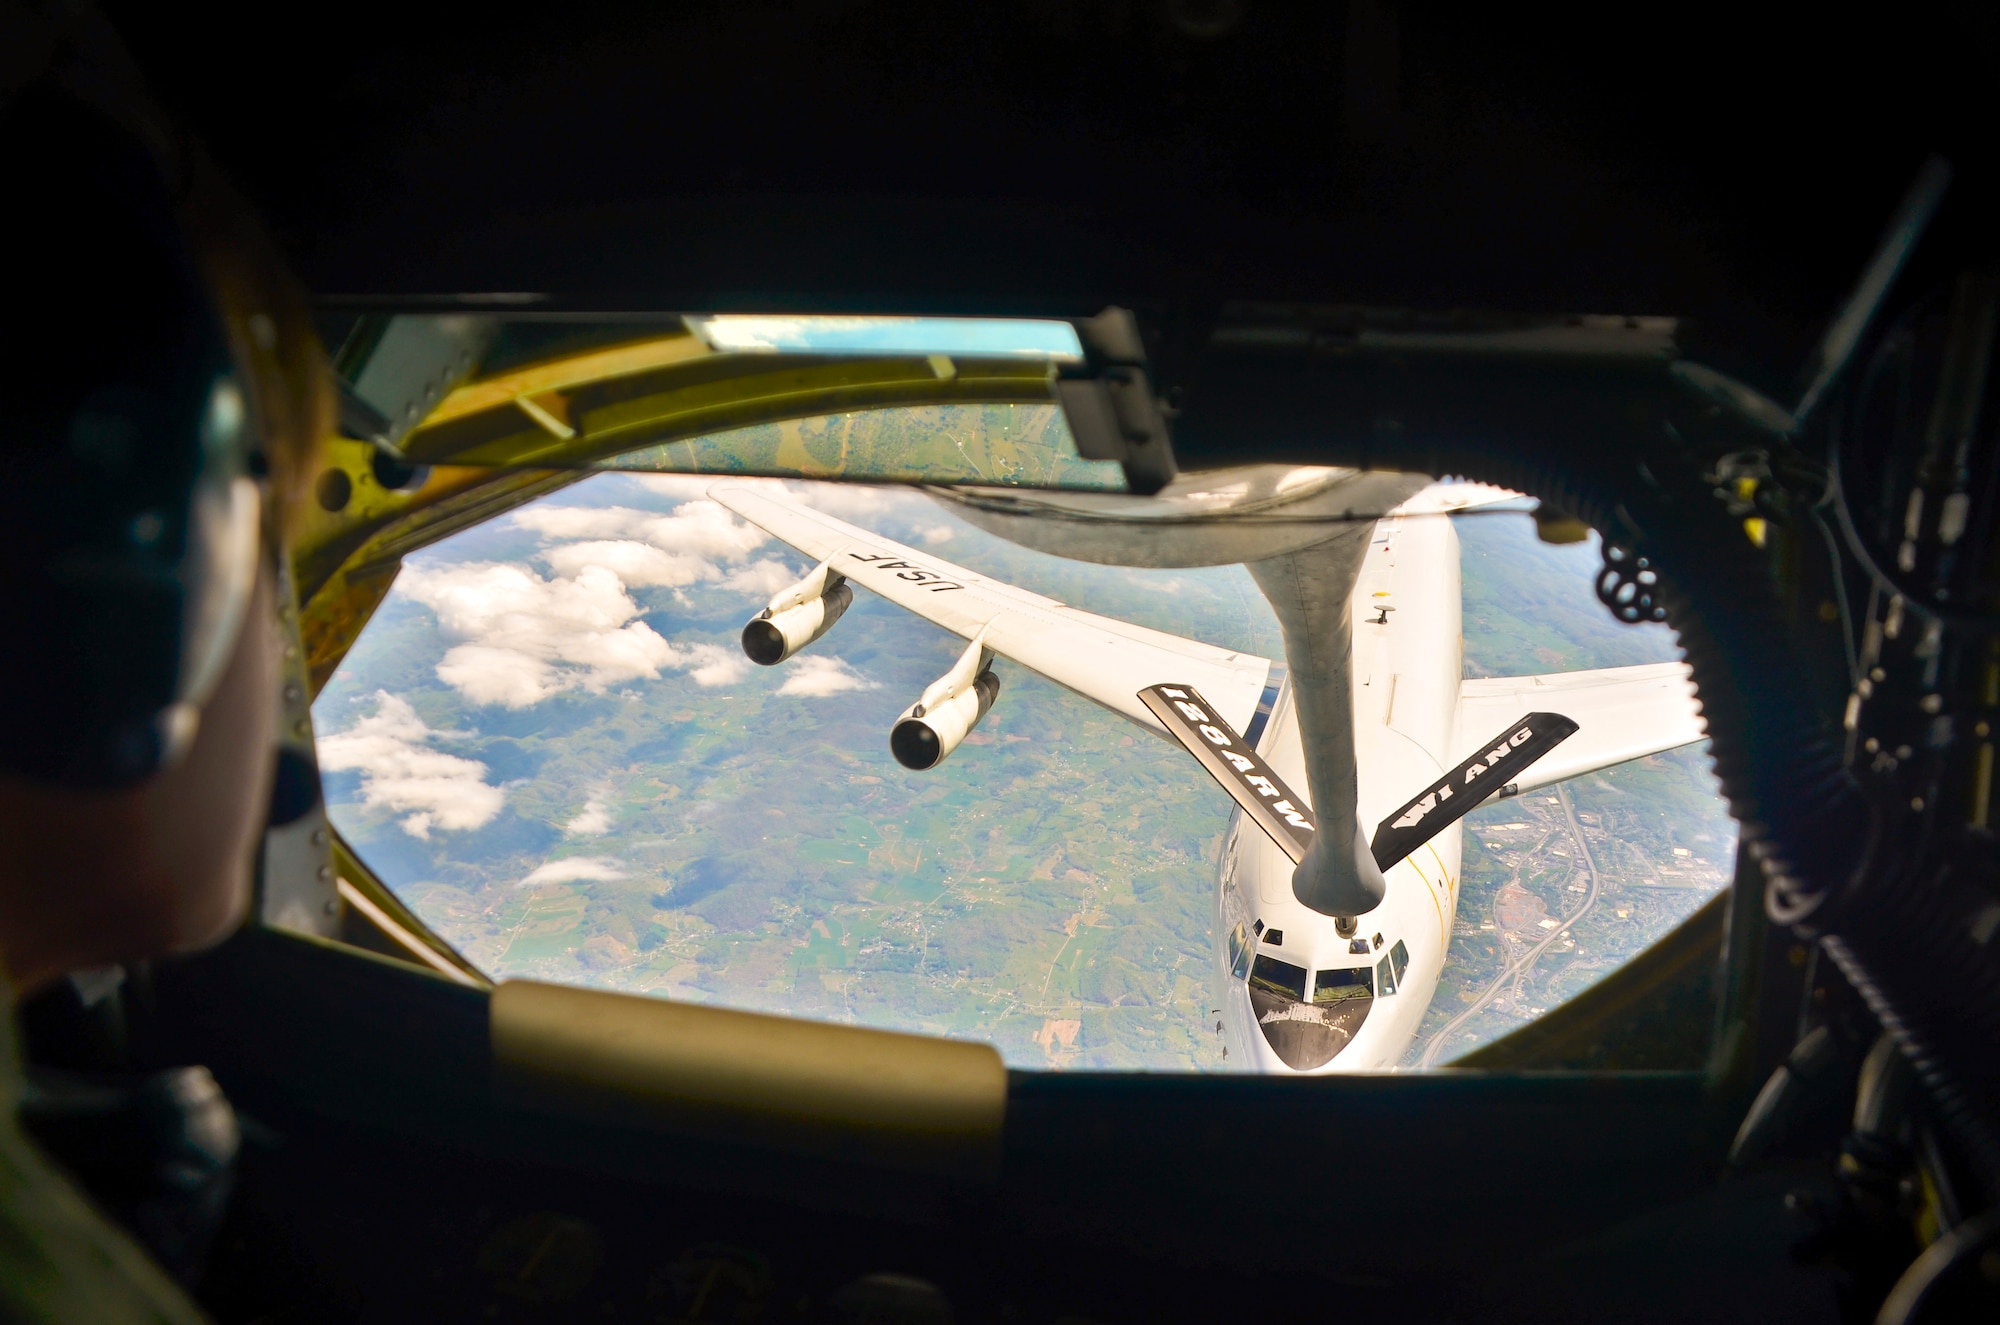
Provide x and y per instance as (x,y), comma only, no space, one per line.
(951,706)
(797,616)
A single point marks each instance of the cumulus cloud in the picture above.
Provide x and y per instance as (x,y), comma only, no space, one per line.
(937,533)
(816,676)
(520,637)
(638,565)
(592,821)
(525,638)
(597,869)
(713,665)
(680,487)
(702,528)
(859,501)
(764,577)
(402,773)
(849,501)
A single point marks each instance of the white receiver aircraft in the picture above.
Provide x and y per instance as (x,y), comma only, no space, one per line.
(1351,766)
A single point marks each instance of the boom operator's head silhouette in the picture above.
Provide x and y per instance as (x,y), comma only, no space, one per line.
(163,391)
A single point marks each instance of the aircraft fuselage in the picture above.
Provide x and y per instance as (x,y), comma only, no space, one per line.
(1296,994)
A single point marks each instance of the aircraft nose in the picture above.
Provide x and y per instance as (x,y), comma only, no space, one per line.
(1308,1035)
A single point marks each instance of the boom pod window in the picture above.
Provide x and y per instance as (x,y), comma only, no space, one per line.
(549,743)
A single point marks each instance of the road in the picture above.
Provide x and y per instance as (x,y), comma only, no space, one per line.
(1516,970)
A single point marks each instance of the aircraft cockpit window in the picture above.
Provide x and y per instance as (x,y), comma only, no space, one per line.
(634,733)
(1343,983)
(1242,945)
(1280,978)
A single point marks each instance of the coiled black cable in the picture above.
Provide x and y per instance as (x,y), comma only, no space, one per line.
(1901,933)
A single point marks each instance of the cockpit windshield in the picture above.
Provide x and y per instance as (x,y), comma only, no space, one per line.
(1280,978)
(1341,984)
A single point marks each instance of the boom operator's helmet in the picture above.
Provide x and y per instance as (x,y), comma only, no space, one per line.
(151,392)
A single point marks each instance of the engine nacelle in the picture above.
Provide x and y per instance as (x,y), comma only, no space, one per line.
(950,708)
(797,617)
(923,736)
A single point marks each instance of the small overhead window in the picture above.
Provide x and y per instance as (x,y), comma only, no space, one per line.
(1378,940)
(1359,947)
(1385,978)
(1399,960)
(1275,937)
(1281,978)
(759,333)
(1337,986)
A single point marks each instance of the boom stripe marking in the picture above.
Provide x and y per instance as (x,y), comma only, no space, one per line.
(1265,798)
(1463,789)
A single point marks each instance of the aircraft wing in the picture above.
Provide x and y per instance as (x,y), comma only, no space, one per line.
(1100,658)
(1621,713)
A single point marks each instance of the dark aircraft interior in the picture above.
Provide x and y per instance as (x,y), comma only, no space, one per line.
(1667,271)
